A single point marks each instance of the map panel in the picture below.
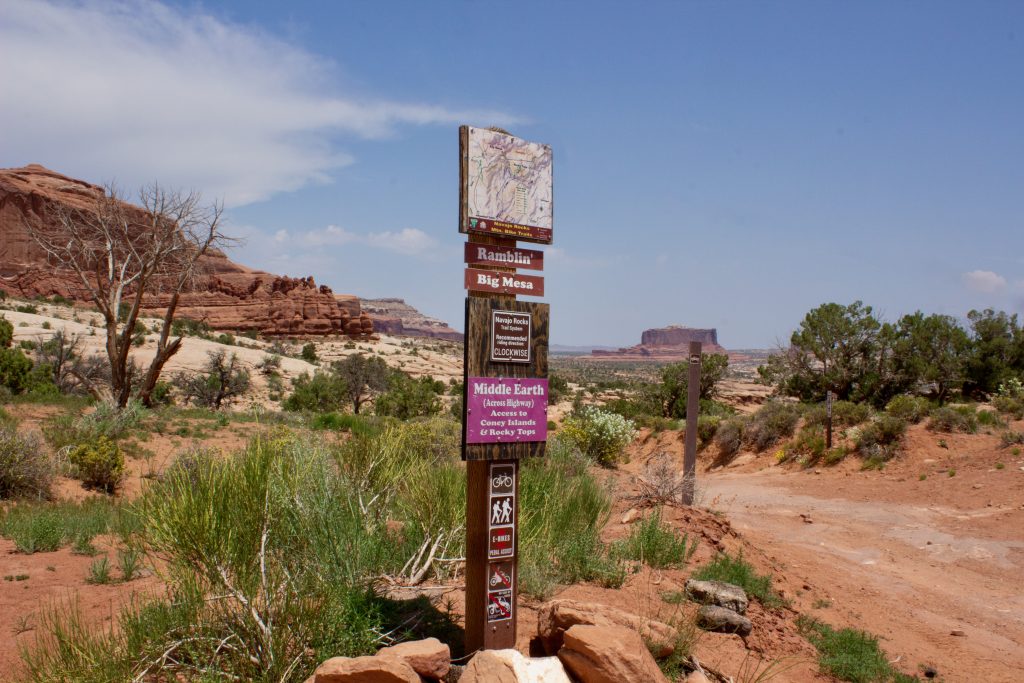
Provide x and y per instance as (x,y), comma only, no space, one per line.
(507,186)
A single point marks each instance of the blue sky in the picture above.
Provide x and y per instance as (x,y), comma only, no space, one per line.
(716,164)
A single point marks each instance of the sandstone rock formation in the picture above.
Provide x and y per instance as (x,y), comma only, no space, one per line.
(430,657)
(395,317)
(227,296)
(365,670)
(666,344)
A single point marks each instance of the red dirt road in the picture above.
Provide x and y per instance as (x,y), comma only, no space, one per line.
(894,560)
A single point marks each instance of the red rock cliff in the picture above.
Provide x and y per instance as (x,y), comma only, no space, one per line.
(228,296)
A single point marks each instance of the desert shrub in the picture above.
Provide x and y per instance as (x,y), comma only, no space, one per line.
(738,571)
(729,437)
(707,427)
(26,469)
(270,364)
(810,441)
(1011,438)
(835,455)
(769,425)
(106,421)
(99,465)
(321,392)
(161,395)
(599,434)
(911,409)
(990,418)
(182,327)
(655,543)
(949,419)
(308,353)
(884,430)
(222,380)
(1014,407)
(15,370)
(844,414)
(407,398)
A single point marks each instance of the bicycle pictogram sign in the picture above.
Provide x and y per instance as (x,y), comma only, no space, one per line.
(503,480)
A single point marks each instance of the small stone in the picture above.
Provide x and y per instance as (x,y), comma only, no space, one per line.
(717,593)
(722,620)
(976,486)
(630,516)
(957,632)
(696,677)
(365,670)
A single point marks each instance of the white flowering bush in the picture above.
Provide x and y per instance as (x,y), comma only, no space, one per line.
(599,434)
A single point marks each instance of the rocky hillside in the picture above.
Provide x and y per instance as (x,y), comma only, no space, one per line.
(228,296)
(666,343)
(395,317)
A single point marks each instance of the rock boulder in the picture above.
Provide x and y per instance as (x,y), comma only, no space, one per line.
(608,654)
(556,617)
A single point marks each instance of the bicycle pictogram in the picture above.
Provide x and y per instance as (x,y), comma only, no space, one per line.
(502,481)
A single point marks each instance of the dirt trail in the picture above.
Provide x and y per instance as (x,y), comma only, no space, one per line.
(912,573)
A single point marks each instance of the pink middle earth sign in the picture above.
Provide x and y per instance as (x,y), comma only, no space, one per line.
(503,410)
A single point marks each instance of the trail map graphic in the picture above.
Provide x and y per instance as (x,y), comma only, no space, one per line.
(508,186)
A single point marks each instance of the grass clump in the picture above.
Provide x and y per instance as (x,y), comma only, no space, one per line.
(107,421)
(949,419)
(26,469)
(849,654)
(99,571)
(45,527)
(1011,438)
(655,544)
(737,571)
(346,422)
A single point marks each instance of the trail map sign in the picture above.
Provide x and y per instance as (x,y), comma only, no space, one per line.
(507,186)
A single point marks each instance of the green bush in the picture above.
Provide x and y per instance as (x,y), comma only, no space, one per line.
(911,409)
(45,527)
(810,441)
(950,419)
(844,414)
(107,420)
(407,398)
(884,430)
(1007,405)
(338,422)
(990,418)
(599,434)
(308,353)
(187,327)
(707,428)
(655,544)
(737,571)
(774,422)
(15,370)
(99,465)
(321,392)
(26,469)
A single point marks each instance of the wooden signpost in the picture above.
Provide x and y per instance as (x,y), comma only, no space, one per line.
(505,194)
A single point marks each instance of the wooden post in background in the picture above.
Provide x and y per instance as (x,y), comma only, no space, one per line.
(828,419)
(692,410)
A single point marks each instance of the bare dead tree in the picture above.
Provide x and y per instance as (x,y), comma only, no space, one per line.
(121,256)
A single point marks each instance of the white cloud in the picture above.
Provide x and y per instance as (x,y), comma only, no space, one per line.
(984,281)
(408,241)
(137,91)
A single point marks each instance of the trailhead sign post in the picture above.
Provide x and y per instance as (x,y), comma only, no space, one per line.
(505,194)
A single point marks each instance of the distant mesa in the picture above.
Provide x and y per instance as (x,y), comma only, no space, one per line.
(397,318)
(227,295)
(665,343)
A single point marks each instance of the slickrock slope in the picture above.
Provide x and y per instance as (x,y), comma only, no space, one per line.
(227,296)
(395,317)
(666,343)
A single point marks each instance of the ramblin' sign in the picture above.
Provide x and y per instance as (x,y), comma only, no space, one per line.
(512,257)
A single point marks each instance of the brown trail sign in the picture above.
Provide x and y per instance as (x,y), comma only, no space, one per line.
(504,193)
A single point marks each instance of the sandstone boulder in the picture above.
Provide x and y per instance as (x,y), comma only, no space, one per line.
(488,667)
(430,657)
(718,593)
(365,670)
(556,617)
(608,654)
(534,669)
(714,618)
